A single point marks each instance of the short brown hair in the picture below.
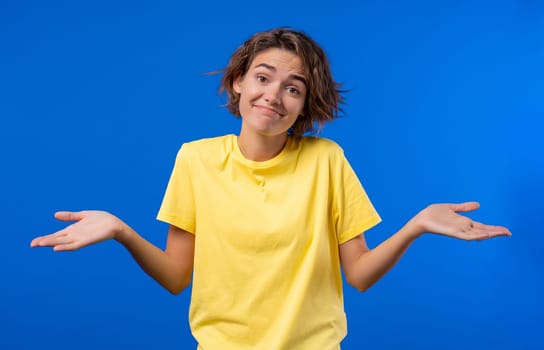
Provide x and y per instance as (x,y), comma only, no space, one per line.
(323,97)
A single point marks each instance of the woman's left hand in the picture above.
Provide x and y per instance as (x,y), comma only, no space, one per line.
(443,219)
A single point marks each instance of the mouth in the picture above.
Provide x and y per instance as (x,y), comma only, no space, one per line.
(268,111)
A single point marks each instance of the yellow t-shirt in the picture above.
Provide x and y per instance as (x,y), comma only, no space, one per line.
(266,266)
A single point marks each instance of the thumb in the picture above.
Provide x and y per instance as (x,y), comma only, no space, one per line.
(69,215)
(466,206)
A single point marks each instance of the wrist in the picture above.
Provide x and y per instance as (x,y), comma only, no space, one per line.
(414,228)
(121,232)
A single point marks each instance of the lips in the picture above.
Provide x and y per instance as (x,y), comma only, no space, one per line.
(268,111)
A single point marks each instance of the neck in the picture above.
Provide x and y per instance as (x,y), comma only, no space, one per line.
(260,148)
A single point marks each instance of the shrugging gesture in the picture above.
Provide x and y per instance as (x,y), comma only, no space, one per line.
(363,267)
(90,226)
(172,267)
(444,219)
(262,222)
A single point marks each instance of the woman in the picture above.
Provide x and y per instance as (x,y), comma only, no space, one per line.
(262,222)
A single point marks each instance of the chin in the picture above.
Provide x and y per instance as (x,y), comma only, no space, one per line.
(265,129)
(267,126)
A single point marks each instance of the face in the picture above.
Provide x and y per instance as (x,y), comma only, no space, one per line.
(272,93)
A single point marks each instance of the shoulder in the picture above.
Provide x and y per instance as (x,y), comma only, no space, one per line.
(321,146)
(211,145)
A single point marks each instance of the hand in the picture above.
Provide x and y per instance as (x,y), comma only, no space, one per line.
(91,227)
(443,219)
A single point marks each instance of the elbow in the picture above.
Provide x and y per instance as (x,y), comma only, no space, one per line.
(361,285)
(175,291)
(362,289)
(179,287)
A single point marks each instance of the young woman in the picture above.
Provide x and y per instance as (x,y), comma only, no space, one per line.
(262,222)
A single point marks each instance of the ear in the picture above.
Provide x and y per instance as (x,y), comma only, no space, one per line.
(236,84)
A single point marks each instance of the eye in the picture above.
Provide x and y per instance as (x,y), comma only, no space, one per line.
(293,90)
(261,78)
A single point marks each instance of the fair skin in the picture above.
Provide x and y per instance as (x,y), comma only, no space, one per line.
(272,95)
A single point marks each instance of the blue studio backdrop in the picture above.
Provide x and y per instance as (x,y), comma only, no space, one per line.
(445,104)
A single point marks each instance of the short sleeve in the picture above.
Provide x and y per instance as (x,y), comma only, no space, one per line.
(353,210)
(178,204)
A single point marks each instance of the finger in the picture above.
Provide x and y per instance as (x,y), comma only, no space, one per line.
(464,207)
(477,234)
(34,242)
(52,240)
(481,232)
(494,230)
(69,215)
(39,241)
(66,247)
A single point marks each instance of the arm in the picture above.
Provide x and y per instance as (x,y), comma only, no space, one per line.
(364,267)
(171,268)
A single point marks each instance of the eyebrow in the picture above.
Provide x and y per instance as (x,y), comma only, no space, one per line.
(292,76)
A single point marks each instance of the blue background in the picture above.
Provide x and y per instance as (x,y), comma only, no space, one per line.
(445,104)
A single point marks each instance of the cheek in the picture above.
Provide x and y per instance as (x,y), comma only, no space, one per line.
(297,107)
(298,104)
(248,94)
(246,100)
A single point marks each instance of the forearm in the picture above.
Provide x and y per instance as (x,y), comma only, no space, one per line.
(373,264)
(364,267)
(167,271)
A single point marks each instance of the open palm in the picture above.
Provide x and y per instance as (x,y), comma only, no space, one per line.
(90,226)
(444,219)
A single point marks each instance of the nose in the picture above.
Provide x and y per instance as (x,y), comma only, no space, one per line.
(272,93)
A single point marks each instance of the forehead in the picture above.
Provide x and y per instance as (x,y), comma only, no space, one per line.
(280,59)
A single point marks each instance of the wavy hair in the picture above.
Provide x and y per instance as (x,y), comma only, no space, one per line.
(323,97)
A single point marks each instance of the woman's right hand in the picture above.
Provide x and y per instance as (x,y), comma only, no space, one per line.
(90,226)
